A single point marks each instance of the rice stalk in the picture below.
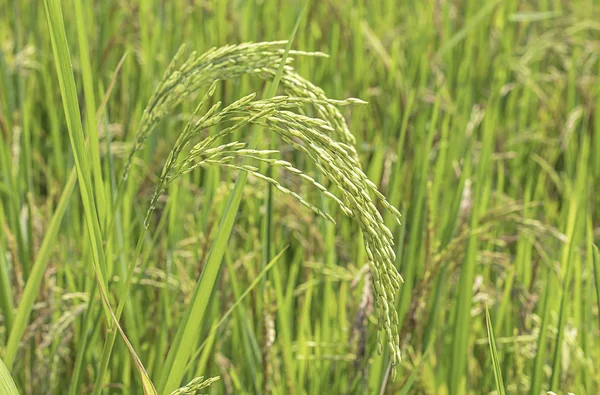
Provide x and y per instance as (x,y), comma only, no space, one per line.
(326,141)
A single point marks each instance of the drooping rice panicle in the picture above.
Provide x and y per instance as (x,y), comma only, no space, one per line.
(183,77)
(337,160)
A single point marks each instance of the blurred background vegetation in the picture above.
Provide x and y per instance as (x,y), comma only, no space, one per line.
(483,129)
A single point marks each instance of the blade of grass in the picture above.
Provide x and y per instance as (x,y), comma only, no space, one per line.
(494,354)
(90,110)
(596,260)
(7,385)
(7,304)
(566,296)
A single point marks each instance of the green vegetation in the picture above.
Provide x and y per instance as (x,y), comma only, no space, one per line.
(189,203)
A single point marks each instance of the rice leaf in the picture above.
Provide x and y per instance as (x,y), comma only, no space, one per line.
(494,354)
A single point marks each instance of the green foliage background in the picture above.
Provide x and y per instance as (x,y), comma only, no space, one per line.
(483,129)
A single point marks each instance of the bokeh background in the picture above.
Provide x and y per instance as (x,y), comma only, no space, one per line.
(483,129)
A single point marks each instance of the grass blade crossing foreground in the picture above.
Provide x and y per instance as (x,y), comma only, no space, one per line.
(66,80)
(494,354)
(7,385)
(179,353)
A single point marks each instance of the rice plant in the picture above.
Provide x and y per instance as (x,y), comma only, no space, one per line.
(314,137)
(282,115)
(205,197)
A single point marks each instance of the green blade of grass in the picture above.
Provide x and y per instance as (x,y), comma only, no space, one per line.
(494,354)
(7,385)
(596,260)
(7,305)
(564,302)
(90,110)
(538,365)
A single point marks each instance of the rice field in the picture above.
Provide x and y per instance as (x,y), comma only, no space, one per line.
(299,197)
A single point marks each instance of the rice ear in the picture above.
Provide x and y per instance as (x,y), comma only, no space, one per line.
(324,139)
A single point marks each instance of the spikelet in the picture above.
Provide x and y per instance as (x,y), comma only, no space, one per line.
(195,386)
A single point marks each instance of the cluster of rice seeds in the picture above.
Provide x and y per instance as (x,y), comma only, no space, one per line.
(297,86)
(285,115)
(183,77)
(334,160)
(194,386)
